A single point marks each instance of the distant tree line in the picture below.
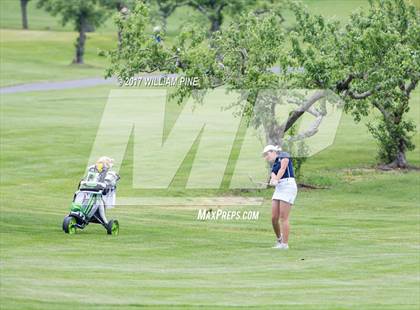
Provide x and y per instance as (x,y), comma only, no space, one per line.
(86,15)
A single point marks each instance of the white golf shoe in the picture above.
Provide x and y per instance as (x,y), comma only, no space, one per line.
(277,245)
(279,242)
(281,246)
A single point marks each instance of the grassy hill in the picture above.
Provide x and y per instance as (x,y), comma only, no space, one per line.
(41,56)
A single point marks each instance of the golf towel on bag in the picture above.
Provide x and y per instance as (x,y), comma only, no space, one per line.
(286,190)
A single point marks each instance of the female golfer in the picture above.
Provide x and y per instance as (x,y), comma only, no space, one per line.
(283,178)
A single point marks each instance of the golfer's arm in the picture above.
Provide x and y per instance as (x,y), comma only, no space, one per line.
(283,166)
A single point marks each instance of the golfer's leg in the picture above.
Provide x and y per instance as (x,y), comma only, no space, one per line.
(284,218)
(275,212)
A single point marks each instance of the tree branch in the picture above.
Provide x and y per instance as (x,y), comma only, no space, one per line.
(343,85)
(312,130)
(380,108)
(294,116)
(411,86)
(363,95)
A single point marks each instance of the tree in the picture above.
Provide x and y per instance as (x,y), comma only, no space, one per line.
(238,58)
(24,11)
(372,62)
(82,13)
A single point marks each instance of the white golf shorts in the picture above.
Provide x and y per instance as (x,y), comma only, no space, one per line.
(286,190)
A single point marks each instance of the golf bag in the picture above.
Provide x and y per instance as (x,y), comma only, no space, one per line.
(96,192)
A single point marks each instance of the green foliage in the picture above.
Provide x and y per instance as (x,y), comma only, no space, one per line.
(389,137)
(372,61)
(139,51)
(238,57)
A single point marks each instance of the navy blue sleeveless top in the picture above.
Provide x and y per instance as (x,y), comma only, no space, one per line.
(289,173)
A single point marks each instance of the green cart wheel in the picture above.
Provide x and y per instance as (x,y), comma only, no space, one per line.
(69,225)
(113,228)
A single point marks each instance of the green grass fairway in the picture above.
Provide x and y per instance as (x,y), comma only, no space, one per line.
(34,56)
(38,19)
(353,246)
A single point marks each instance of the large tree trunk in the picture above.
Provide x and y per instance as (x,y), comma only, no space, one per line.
(216,22)
(392,122)
(23,7)
(400,160)
(80,42)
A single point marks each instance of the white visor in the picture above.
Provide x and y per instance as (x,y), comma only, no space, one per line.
(270,148)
